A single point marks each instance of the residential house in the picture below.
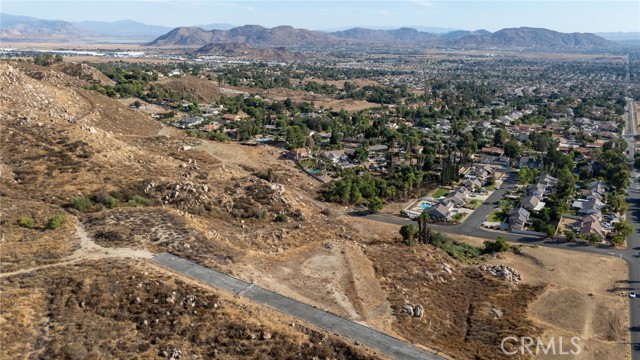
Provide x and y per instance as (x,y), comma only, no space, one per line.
(591,207)
(532,203)
(536,189)
(189,122)
(530,162)
(378,148)
(211,127)
(441,211)
(457,198)
(548,180)
(598,186)
(233,117)
(518,218)
(473,184)
(301,153)
(333,155)
(590,224)
(496,151)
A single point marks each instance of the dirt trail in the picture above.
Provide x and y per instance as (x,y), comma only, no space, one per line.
(587,331)
(88,250)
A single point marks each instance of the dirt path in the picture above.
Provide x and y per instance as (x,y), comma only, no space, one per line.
(88,250)
(590,308)
(169,131)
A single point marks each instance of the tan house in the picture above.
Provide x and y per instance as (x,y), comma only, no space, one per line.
(301,153)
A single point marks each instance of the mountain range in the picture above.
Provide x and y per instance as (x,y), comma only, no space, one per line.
(258,36)
(23,28)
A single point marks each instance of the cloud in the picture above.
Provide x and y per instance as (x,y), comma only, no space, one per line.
(423,3)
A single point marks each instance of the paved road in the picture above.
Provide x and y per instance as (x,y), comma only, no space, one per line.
(633,261)
(633,244)
(367,336)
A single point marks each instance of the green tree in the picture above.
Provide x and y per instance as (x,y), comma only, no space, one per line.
(424,231)
(570,235)
(525,175)
(623,229)
(294,137)
(500,245)
(361,154)
(617,203)
(512,149)
(408,233)
(374,204)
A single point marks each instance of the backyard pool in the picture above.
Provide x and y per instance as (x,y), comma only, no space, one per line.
(425,206)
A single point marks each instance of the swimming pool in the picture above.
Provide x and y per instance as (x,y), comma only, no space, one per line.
(425,206)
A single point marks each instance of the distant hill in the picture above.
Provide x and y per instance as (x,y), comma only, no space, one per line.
(242,50)
(216,26)
(123,29)
(24,28)
(525,37)
(402,35)
(253,35)
(459,34)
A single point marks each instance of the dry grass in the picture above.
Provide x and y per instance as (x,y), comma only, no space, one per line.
(22,247)
(458,316)
(116,310)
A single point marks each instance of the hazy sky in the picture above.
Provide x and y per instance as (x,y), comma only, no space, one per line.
(566,16)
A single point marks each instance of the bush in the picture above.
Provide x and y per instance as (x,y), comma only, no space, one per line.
(26,222)
(500,245)
(138,201)
(111,202)
(81,203)
(55,222)
(281,218)
(456,249)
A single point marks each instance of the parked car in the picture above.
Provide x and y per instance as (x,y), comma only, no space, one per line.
(632,294)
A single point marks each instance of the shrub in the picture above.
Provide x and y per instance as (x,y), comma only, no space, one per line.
(500,245)
(281,218)
(55,221)
(138,201)
(111,202)
(26,222)
(81,203)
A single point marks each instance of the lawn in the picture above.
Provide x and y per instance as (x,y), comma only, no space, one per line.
(307,163)
(457,218)
(439,192)
(496,216)
(473,204)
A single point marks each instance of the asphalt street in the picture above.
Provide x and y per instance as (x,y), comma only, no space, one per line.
(633,243)
(374,339)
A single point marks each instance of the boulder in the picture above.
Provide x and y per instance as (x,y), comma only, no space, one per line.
(408,309)
(418,310)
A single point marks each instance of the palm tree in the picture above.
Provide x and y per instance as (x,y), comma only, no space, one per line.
(424,231)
